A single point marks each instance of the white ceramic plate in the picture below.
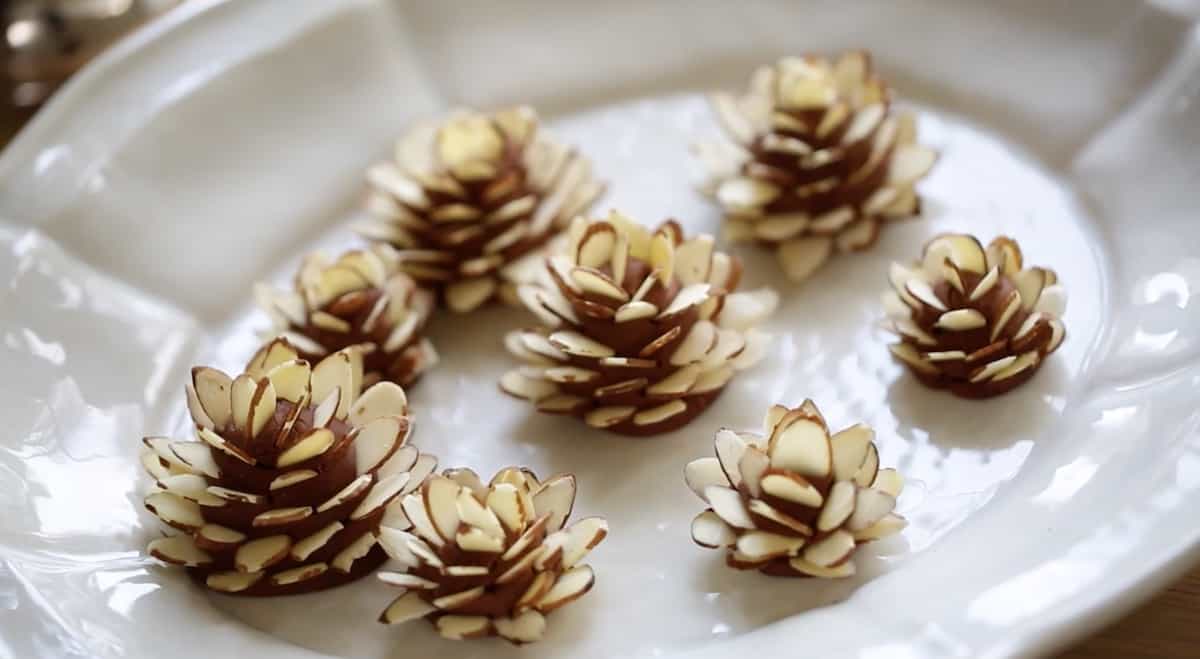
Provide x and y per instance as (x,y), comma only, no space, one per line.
(214,147)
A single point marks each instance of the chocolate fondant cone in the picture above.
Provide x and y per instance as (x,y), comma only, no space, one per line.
(797,501)
(818,161)
(471,201)
(289,477)
(641,331)
(973,320)
(481,560)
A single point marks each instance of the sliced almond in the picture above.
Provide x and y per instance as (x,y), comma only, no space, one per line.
(178,550)
(961,320)
(708,530)
(231,582)
(840,571)
(213,392)
(871,506)
(257,555)
(728,505)
(571,585)
(175,510)
(310,446)
(408,606)
(833,549)
(792,487)
(306,546)
(759,546)
(850,449)
(803,447)
(802,257)
(574,343)
(526,627)
(344,560)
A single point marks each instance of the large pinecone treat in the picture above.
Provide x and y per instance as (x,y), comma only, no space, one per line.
(480,560)
(641,331)
(818,163)
(290,478)
(359,299)
(971,320)
(797,501)
(471,201)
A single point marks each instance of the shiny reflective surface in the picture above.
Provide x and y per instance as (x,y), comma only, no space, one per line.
(123,266)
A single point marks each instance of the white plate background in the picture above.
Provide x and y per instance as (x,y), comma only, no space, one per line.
(215,147)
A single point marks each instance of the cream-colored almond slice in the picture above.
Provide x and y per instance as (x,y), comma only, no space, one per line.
(310,446)
(232,582)
(709,530)
(700,473)
(343,561)
(178,550)
(870,507)
(792,487)
(571,585)
(257,555)
(305,547)
(870,467)
(961,320)
(763,546)
(728,505)
(838,506)
(213,393)
(803,447)
(840,571)
(175,510)
(802,257)
(604,417)
(850,449)
(408,606)
(890,524)
(833,549)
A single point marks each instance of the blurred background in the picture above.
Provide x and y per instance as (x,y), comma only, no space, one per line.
(45,41)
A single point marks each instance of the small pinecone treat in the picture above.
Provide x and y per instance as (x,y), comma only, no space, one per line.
(819,162)
(797,502)
(971,320)
(641,330)
(470,202)
(358,300)
(285,490)
(481,560)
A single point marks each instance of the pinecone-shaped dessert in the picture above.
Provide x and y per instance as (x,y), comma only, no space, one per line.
(362,300)
(797,502)
(481,560)
(974,321)
(819,162)
(641,331)
(285,490)
(471,201)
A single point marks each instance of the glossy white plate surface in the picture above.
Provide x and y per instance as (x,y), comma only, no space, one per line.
(215,147)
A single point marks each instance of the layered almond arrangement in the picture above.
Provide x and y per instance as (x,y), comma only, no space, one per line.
(971,320)
(641,330)
(481,560)
(796,501)
(284,488)
(469,202)
(360,299)
(818,160)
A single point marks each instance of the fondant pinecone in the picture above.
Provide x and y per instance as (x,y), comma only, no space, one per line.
(360,299)
(286,487)
(798,501)
(819,162)
(641,330)
(971,320)
(470,201)
(492,559)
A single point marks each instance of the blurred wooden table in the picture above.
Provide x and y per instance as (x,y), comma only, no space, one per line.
(1168,627)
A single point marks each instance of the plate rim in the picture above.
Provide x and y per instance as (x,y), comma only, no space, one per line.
(1100,607)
